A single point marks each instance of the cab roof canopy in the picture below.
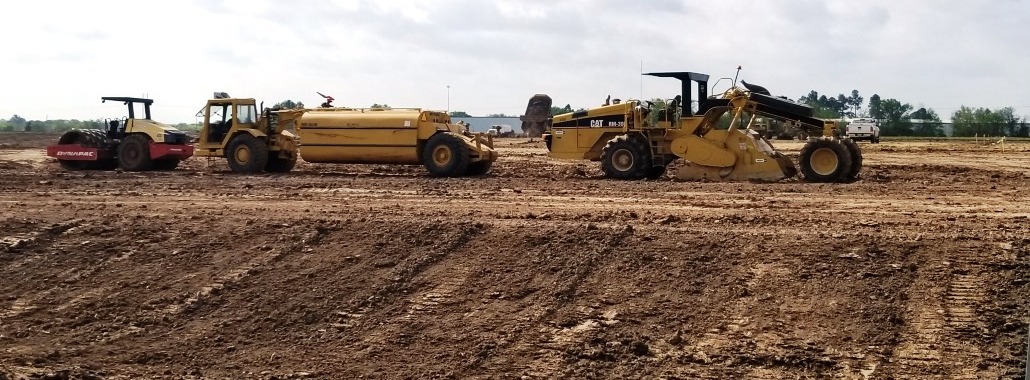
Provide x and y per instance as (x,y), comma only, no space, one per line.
(128,99)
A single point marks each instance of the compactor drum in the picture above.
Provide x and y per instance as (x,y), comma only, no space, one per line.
(716,143)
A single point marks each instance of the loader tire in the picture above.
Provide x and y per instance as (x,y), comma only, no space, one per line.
(655,172)
(247,154)
(134,153)
(825,160)
(856,158)
(626,157)
(280,165)
(90,138)
(445,155)
(479,168)
(166,164)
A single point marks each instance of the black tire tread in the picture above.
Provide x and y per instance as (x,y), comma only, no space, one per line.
(638,146)
(135,141)
(843,156)
(278,164)
(458,166)
(856,159)
(258,154)
(479,168)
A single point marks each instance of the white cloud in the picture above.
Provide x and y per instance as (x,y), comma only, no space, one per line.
(61,56)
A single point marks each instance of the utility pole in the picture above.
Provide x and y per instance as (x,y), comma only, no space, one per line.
(448,99)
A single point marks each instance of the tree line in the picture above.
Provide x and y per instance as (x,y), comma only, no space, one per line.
(898,118)
(19,124)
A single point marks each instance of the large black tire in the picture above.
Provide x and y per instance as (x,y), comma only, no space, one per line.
(479,168)
(445,155)
(655,172)
(90,138)
(856,158)
(278,164)
(626,157)
(825,160)
(134,153)
(247,154)
(166,164)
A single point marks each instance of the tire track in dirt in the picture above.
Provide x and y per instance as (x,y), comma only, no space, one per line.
(732,332)
(243,271)
(548,345)
(21,242)
(420,303)
(940,330)
(428,301)
(32,240)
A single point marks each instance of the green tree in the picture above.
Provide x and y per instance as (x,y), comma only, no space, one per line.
(286,105)
(459,114)
(812,96)
(497,115)
(17,122)
(380,106)
(895,118)
(964,122)
(855,100)
(560,110)
(1010,122)
(824,107)
(983,121)
(925,122)
(875,107)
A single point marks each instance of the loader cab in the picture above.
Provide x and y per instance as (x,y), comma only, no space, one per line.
(223,116)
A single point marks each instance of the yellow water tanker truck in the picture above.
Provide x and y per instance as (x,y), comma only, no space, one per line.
(406,136)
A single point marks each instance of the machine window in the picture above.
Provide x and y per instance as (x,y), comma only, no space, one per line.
(216,114)
(246,114)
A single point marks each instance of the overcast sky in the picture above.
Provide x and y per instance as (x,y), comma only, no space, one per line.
(60,57)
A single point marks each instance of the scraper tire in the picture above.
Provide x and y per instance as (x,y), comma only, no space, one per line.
(825,160)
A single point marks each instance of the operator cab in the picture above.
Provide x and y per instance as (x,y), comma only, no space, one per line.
(221,113)
(685,99)
(115,128)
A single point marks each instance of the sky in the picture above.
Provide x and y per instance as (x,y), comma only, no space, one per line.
(490,56)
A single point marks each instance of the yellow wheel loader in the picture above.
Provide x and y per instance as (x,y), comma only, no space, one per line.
(234,130)
(634,141)
(251,143)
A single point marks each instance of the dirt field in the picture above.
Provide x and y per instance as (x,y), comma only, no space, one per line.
(541,270)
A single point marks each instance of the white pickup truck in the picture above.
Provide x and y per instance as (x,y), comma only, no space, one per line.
(863,129)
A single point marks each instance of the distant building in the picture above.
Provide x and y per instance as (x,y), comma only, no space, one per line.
(482,124)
